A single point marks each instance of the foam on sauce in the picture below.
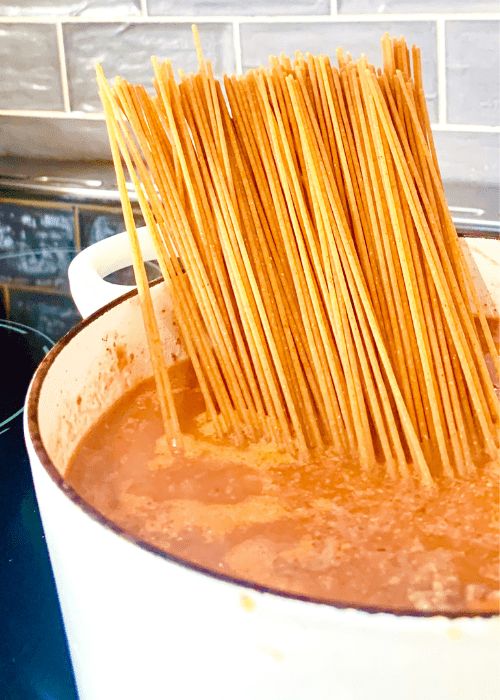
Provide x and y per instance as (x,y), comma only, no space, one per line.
(321,530)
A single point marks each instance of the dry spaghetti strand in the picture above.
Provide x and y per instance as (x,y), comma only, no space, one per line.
(320,290)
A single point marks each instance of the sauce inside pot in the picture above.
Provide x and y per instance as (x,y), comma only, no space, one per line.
(321,530)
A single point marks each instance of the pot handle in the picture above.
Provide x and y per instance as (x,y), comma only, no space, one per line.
(86,271)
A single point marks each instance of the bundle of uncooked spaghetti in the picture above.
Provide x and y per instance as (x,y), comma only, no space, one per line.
(318,282)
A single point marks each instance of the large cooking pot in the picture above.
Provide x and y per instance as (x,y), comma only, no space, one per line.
(145,624)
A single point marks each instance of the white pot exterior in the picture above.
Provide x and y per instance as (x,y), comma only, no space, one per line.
(141,625)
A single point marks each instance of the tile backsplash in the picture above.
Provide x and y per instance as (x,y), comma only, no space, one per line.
(414,6)
(39,237)
(126,49)
(472,51)
(258,41)
(50,109)
(31,74)
(49,106)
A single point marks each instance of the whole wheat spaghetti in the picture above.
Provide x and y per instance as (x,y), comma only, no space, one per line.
(300,223)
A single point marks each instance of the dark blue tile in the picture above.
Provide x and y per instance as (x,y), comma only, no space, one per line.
(36,245)
(52,314)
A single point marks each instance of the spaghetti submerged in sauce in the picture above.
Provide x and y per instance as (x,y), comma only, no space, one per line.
(320,530)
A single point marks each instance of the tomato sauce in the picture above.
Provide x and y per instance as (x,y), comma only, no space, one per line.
(323,530)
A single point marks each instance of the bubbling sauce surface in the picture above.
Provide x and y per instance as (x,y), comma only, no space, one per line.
(320,530)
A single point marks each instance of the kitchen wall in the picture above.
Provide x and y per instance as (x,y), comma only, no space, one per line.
(49,106)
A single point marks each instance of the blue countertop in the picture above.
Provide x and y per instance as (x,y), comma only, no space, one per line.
(34,659)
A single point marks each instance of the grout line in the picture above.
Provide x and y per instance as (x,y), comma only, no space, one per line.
(63,67)
(266,19)
(14,286)
(77,239)
(39,114)
(441,71)
(98,116)
(63,206)
(144,8)
(237,48)
(41,204)
(467,128)
(334,10)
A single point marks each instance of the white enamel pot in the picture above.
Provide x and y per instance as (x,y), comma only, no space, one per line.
(144,625)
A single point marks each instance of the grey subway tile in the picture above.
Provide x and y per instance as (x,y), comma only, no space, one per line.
(374,7)
(236,7)
(126,50)
(468,157)
(72,8)
(472,72)
(60,139)
(30,77)
(259,41)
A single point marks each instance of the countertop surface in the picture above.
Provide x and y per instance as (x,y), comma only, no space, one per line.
(472,205)
(34,660)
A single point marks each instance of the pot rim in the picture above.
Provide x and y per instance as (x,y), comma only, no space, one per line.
(33,428)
